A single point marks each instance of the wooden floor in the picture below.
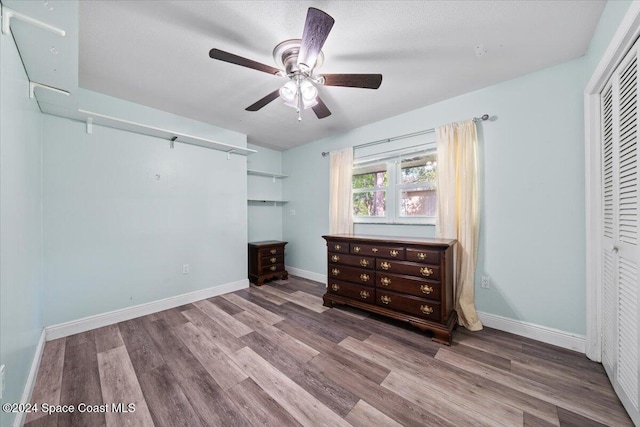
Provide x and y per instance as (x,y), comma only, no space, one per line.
(275,356)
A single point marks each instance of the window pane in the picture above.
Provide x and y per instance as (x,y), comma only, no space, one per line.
(370,176)
(369,203)
(419,170)
(418,202)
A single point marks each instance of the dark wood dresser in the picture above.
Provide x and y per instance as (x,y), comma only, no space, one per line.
(408,279)
(266,261)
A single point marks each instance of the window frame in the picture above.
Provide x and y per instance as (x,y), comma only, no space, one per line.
(393,190)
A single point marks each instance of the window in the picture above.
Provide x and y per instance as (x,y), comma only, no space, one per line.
(396,189)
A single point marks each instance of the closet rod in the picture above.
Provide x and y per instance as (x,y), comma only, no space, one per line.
(409,135)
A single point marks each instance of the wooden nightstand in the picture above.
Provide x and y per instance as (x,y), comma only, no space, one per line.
(266,261)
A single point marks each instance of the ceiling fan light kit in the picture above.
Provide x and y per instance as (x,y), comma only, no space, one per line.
(297,60)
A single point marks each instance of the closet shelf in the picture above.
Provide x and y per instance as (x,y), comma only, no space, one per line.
(268,174)
(122,124)
(279,202)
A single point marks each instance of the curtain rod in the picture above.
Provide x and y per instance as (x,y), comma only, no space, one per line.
(482,118)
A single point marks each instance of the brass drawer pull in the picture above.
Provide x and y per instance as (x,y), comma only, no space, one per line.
(273,268)
(335,287)
(426,289)
(385,265)
(356,249)
(364,277)
(273,251)
(364,294)
(422,256)
(374,250)
(426,271)
(335,258)
(385,299)
(393,253)
(273,260)
(335,271)
(364,262)
(337,247)
(385,281)
(425,309)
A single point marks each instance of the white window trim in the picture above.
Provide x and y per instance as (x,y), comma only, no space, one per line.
(393,192)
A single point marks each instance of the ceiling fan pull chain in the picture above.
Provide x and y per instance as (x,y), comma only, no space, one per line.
(299,95)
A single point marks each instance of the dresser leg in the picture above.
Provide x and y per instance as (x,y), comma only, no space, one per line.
(442,337)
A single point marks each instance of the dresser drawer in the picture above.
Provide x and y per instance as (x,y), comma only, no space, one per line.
(350,274)
(267,252)
(272,268)
(339,247)
(380,251)
(408,285)
(426,256)
(431,272)
(272,259)
(352,260)
(349,290)
(418,307)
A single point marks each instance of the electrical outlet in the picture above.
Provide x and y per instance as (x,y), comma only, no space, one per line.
(185,269)
(486,282)
(1,381)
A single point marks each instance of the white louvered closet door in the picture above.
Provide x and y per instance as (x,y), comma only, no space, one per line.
(620,255)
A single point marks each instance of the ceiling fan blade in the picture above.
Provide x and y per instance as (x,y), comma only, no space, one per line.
(316,30)
(264,101)
(321,109)
(365,81)
(239,60)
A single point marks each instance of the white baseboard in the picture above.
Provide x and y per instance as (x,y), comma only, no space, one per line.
(310,275)
(99,320)
(20,418)
(544,334)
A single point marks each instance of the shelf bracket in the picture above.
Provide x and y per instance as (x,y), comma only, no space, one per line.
(89,125)
(7,14)
(172,142)
(229,154)
(34,85)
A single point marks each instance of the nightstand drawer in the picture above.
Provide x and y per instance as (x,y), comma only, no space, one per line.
(272,259)
(269,252)
(408,285)
(272,268)
(352,260)
(430,272)
(418,307)
(350,274)
(349,290)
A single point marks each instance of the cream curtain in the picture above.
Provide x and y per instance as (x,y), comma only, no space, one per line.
(458,213)
(340,199)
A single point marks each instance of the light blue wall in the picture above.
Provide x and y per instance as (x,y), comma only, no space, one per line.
(265,219)
(20,224)
(609,22)
(532,238)
(532,227)
(123,212)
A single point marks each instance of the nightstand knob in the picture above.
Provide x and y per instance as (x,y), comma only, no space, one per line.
(335,287)
(273,251)
(385,299)
(426,289)
(273,268)
(335,258)
(335,271)
(364,294)
(337,247)
(273,260)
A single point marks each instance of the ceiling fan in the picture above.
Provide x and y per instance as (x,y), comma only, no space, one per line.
(298,59)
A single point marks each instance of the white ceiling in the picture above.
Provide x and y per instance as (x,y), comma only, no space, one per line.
(156,53)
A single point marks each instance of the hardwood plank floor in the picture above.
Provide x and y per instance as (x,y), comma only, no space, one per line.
(274,356)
